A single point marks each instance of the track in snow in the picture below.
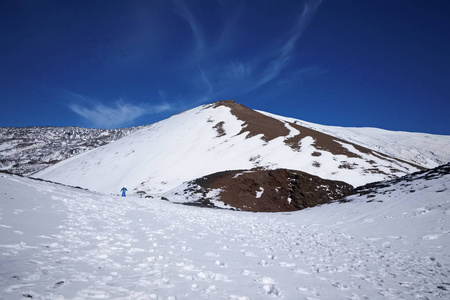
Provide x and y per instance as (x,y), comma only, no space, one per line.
(58,243)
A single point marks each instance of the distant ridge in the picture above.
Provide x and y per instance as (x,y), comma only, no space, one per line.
(25,150)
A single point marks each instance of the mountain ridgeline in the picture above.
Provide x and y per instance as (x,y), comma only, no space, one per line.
(248,159)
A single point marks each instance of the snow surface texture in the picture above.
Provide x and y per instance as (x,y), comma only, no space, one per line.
(207,140)
(58,242)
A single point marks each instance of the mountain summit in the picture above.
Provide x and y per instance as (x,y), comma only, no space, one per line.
(225,136)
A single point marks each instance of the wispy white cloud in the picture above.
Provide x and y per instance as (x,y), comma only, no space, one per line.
(275,67)
(186,14)
(118,114)
(230,19)
(238,70)
(224,74)
(230,14)
(301,74)
(207,83)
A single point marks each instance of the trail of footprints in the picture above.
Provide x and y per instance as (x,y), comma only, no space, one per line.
(114,251)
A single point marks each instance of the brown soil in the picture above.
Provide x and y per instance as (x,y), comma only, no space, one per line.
(256,123)
(219,128)
(280,190)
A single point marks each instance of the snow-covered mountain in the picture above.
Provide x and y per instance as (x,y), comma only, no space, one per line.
(25,150)
(228,136)
(389,240)
(386,239)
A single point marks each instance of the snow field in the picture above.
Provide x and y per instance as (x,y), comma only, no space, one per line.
(58,242)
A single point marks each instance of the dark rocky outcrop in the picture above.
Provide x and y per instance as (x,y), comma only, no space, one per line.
(371,190)
(268,190)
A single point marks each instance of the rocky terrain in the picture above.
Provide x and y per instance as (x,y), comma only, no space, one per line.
(25,150)
(261,190)
(375,190)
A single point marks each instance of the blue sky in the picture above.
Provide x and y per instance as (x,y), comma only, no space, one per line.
(110,64)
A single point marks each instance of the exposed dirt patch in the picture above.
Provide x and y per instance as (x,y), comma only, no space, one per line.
(256,123)
(271,190)
(323,141)
(219,129)
(347,165)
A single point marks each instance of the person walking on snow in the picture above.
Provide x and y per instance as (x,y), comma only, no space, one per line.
(124,190)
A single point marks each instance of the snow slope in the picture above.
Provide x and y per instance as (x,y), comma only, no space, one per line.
(210,139)
(58,242)
(426,150)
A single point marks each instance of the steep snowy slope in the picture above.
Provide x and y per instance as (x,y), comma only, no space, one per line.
(58,242)
(218,137)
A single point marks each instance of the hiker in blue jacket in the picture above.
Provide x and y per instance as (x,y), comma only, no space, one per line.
(124,190)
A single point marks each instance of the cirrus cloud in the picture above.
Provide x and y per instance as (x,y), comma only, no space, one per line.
(221,72)
(118,114)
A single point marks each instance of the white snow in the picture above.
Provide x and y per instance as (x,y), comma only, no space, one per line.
(58,242)
(260,192)
(160,157)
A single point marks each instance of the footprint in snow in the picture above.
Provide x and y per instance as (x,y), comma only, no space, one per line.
(211,289)
(286,264)
(309,291)
(301,271)
(211,275)
(234,297)
(269,287)
(431,236)
(221,263)
(249,273)
(248,253)
(89,293)
(264,263)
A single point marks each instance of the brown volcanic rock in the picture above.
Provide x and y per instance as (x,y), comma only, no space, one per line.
(256,123)
(269,190)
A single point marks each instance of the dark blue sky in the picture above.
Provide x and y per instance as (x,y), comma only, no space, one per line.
(108,64)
